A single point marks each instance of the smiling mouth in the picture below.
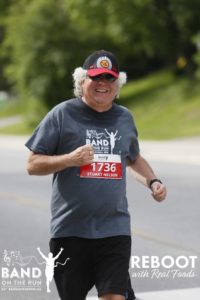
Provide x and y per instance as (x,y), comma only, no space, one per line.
(101,91)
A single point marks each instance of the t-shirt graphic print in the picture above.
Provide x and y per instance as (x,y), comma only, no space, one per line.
(105,164)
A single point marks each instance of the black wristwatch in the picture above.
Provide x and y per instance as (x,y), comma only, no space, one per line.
(154,180)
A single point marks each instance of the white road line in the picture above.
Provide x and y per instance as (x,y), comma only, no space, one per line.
(183,294)
(168,243)
(32,202)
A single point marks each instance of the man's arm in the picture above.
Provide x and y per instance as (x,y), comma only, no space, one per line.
(39,164)
(144,173)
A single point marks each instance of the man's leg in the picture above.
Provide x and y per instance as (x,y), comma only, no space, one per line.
(75,278)
(112,297)
(130,295)
(111,264)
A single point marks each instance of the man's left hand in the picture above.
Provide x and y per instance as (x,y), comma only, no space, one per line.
(159,191)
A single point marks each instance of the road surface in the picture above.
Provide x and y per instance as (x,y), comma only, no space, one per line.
(169,229)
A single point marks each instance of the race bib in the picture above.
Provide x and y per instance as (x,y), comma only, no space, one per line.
(107,166)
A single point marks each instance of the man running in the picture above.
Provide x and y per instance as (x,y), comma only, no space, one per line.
(90,217)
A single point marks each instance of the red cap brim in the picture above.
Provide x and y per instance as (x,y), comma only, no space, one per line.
(98,71)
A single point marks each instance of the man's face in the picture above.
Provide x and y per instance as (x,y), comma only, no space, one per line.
(99,94)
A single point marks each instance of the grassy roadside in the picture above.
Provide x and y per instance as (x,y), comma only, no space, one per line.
(10,109)
(21,128)
(164,107)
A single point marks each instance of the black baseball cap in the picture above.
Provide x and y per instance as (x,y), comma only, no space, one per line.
(100,62)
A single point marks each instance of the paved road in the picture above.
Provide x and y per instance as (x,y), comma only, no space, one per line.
(167,229)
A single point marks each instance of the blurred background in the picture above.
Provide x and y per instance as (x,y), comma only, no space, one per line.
(157,43)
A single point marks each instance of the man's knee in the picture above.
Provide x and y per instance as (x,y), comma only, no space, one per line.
(112,297)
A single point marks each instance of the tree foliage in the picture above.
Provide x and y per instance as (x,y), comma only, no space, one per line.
(40,41)
(44,40)
(4,5)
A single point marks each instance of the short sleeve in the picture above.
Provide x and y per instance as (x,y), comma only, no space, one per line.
(134,148)
(45,139)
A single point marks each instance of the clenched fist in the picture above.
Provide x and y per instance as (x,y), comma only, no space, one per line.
(82,156)
(159,191)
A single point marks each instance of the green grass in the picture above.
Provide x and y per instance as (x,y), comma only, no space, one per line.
(11,108)
(164,107)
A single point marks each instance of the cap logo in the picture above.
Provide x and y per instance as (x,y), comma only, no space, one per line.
(104,62)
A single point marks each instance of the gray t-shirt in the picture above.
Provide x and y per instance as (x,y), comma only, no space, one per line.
(88,203)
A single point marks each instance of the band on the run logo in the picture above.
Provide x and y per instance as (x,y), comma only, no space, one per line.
(103,142)
(20,273)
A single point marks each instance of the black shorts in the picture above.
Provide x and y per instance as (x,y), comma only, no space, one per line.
(101,262)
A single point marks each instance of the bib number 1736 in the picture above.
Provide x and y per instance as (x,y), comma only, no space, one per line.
(109,169)
(105,167)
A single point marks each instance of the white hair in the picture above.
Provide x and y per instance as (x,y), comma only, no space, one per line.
(80,75)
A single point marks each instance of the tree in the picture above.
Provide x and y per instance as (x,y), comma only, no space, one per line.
(4,5)
(44,44)
(40,43)
(46,39)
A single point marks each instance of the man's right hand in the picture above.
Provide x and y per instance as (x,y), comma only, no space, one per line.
(40,164)
(83,155)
